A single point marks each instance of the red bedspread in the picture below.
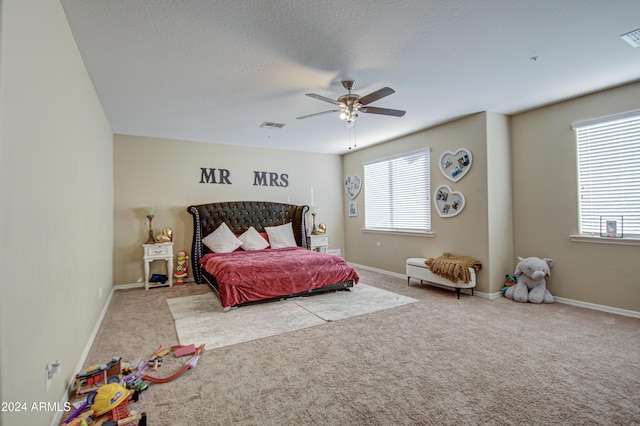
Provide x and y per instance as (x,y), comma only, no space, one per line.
(246,276)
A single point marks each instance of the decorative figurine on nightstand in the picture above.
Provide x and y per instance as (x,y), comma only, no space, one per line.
(322,229)
(181,267)
(166,236)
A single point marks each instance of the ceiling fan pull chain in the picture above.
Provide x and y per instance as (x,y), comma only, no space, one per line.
(353,127)
(354,135)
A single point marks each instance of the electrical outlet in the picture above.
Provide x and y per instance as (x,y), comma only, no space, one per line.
(51,370)
(47,379)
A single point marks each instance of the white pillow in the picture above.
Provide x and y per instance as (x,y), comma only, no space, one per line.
(252,240)
(281,236)
(222,240)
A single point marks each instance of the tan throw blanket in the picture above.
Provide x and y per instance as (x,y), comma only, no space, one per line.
(453,267)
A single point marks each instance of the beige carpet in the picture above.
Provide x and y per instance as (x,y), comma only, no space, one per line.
(439,361)
(201,319)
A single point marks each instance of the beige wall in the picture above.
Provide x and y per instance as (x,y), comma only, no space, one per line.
(499,200)
(166,173)
(56,205)
(464,234)
(545,202)
(520,201)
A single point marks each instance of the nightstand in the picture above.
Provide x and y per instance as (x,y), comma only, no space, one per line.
(158,251)
(318,243)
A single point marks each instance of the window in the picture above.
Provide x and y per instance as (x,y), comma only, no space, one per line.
(609,174)
(397,192)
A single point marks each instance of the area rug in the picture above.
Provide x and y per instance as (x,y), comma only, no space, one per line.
(201,319)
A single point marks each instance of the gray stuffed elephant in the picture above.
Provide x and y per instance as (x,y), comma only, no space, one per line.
(532,285)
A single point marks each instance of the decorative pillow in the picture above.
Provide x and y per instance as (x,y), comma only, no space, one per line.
(252,240)
(281,236)
(222,240)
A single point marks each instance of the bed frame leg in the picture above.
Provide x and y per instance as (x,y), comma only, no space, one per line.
(458,292)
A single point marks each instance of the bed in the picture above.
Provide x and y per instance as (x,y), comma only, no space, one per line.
(240,277)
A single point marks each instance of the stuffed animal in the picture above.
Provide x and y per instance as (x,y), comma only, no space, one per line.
(532,285)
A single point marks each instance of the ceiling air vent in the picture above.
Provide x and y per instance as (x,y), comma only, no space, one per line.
(272,125)
(633,38)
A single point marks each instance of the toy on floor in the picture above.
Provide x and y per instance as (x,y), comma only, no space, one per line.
(135,383)
(75,417)
(108,406)
(97,375)
(108,401)
(113,399)
(183,350)
(181,267)
(531,284)
(159,278)
(509,281)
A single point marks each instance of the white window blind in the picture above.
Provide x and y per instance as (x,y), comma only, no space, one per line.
(609,173)
(397,192)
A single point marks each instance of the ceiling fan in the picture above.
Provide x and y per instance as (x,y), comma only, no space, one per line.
(350,104)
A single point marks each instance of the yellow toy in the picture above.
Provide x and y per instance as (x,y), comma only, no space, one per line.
(108,397)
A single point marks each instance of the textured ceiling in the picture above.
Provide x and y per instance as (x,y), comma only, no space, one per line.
(214,71)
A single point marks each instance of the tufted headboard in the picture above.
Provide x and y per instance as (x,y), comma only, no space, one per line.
(239,216)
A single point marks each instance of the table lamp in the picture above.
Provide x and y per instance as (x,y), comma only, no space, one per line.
(314,211)
(148,211)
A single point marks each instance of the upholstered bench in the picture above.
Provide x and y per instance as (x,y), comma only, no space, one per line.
(418,269)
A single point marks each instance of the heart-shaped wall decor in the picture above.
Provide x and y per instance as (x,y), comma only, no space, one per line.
(454,165)
(448,202)
(352,185)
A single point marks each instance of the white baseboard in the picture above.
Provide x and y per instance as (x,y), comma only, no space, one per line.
(492,296)
(83,357)
(138,285)
(382,271)
(128,286)
(596,307)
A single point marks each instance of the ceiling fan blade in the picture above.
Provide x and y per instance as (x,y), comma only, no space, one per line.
(378,94)
(323,98)
(317,113)
(383,111)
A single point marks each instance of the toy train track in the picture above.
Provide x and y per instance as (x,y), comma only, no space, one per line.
(179,349)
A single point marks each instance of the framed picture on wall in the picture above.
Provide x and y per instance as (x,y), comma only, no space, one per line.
(612,227)
(353,208)
(454,165)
